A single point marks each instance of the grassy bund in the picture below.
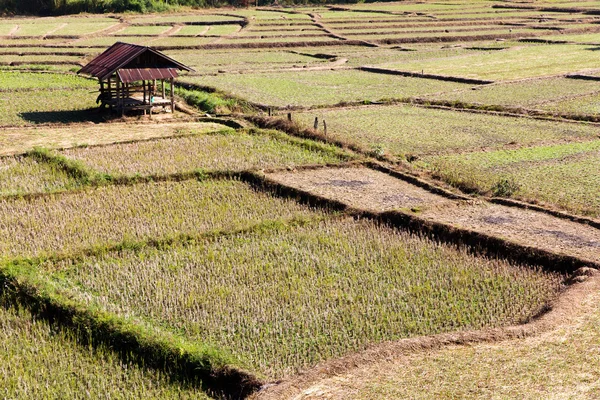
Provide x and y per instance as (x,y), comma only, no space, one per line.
(156,258)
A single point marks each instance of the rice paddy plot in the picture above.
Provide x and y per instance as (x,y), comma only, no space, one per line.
(50,106)
(16,42)
(10,81)
(275,33)
(588,105)
(108,215)
(182,19)
(524,61)
(193,30)
(105,41)
(212,61)
(41,360)
(322,87)
(143,30)
(261,15)
(222,151)
(41,60)
(565,175)
(38,28)
(84,27)
(385,55)
(20,140)
(288,297)
(6,28)
(180,42)
(588,38)
(274,41)
(534,93)
(513,369)
(222,30)
(21,175)
(403,130)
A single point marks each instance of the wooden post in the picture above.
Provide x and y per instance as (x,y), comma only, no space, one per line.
(269,111)
(289,116)
(324,127)
(121,96)
(163,89)
(172,97)
(316,125)
(144,90)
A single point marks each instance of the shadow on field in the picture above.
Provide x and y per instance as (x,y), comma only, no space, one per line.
(66,116)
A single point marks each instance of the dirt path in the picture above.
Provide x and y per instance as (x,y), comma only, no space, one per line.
(408,364)
(366,189)
(14,30)
(58,28)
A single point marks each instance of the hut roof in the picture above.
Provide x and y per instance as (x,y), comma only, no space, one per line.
(135,62)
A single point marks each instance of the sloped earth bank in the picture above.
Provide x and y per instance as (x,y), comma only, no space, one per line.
(554,356)
(366,189)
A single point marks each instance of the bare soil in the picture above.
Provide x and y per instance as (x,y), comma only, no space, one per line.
(527,227)
(361,188)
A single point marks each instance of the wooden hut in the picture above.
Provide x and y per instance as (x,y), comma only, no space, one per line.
(133,77)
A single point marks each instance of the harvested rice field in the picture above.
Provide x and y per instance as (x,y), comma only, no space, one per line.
(390,130)
(108,215)
(341,201)
(286,298)
(225,150)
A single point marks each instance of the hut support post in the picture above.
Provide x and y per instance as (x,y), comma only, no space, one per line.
(162,84)
(172,97)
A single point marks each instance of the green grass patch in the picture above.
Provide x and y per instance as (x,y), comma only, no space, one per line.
(208,102)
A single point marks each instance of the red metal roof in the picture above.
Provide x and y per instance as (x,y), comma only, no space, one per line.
(146,74)
(120,54)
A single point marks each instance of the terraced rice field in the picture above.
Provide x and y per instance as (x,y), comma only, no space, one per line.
(215,248)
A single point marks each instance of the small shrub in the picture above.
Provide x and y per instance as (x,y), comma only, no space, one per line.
(505,187)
